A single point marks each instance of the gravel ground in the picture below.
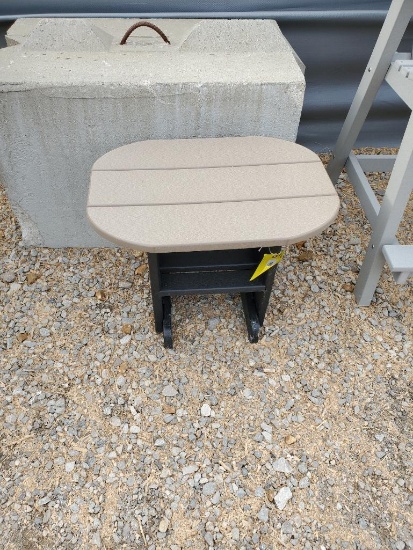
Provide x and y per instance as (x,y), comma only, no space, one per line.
(110,441)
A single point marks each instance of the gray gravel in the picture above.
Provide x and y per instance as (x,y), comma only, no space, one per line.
(111,441)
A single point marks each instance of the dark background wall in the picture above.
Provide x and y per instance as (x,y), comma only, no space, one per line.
(4,25)
(334,40)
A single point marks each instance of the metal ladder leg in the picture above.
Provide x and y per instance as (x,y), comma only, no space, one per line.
(390,215)
(387,43)
(386,219)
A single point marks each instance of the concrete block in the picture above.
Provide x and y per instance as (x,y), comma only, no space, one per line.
(62,108)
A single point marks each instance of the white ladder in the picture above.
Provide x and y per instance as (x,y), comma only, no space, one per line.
(397,70)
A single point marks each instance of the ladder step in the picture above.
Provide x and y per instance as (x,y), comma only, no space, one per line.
(399,257)
(405,67)
(362,187)
(376,163)
(400,78)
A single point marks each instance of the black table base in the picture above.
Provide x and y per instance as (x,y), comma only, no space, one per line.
(210,272)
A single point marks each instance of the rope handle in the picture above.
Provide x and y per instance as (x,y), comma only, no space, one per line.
(143,24)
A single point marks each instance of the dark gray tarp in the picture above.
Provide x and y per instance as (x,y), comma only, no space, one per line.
(334,40)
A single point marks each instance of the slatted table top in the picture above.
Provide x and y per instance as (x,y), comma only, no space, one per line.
(210,194)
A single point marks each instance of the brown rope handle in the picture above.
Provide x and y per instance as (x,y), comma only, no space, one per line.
(143,24)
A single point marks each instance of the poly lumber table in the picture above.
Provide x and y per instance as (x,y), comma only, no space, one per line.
(206,210)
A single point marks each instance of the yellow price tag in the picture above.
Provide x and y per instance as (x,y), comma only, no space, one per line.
(268,261)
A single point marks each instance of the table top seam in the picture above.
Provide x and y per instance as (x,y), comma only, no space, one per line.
(333,194)
(204,167)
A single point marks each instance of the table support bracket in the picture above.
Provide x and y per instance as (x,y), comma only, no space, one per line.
(210,272)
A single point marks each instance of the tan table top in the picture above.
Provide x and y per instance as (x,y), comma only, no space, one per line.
(210,194)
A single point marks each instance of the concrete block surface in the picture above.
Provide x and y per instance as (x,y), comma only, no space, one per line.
(69,35)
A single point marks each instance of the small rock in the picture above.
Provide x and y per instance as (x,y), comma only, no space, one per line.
(213,323)
(163,525)
(281,465)
(206,410)
(209,488)
(286,528)
(348,287)
(266,427)
(96,539)
(168,418)
(127,328)
(187,470)
(290,439)
(289,405)
(305,256)
(60,405)
(32,277)
(14,287)
(140,270)
(123,367)
(120,381)
(259,492)
(235,533)
(297,520)
(263,514)
(267,436)
(270,494)
(209,539)
(124,284)
(302,468)
(101,295)
(169,391)
(8,277)
(282,497)
(69,467)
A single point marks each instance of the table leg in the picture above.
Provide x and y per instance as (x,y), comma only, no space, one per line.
(155,279)
(251,316)
(262,298)
(167,322)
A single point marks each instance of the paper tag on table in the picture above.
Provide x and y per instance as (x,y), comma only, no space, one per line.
(268,261)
